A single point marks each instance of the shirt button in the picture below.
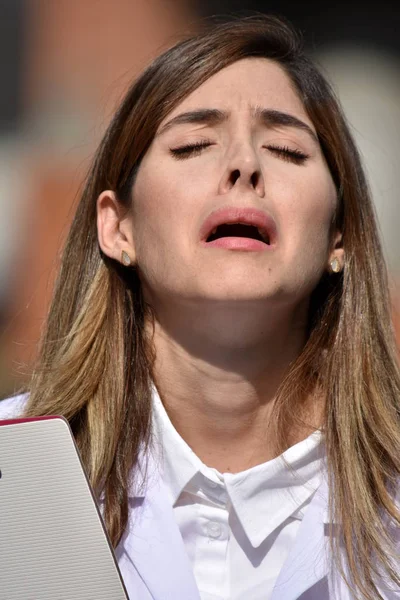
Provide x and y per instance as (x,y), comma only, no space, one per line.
(214,530)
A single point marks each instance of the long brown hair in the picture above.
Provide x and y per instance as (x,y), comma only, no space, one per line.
(95,361)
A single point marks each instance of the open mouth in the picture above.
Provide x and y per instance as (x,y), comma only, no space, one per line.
(241,230)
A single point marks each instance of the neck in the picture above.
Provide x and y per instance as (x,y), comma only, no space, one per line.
(218,377)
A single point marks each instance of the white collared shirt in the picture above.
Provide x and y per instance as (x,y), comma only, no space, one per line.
(237,528)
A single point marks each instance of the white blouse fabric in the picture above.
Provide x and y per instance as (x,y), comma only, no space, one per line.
(237,528)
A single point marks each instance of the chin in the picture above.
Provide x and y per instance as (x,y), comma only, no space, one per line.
(241,294)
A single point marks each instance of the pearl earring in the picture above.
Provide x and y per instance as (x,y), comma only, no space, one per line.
(335,266)
(125,259)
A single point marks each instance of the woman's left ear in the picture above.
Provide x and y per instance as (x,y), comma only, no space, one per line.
(115,229)
(336,259)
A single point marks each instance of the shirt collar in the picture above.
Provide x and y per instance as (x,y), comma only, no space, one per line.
(268,494)
(178,462)
(263,496)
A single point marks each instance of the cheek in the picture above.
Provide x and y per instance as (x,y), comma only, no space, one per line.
(162,214)
(311,206)
(152,207)
(306,219)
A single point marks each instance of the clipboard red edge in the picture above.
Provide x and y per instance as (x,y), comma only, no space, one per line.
(28,420)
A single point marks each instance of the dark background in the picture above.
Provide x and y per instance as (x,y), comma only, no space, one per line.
(325,23)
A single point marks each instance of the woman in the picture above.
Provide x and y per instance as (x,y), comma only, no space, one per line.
(220,338)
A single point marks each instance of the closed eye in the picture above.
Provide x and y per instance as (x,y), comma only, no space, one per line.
(289,154)
(189,150)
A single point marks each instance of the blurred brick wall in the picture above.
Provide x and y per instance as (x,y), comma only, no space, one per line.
(79,58)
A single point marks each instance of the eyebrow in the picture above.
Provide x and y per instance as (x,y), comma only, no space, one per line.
(273,118)
(203,116)
(213,116)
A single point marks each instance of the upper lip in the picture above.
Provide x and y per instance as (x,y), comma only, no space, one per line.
(245,215)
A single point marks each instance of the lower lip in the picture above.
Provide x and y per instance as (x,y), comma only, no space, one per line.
(238,243)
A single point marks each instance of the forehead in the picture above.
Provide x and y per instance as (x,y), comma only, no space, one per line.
(244,85)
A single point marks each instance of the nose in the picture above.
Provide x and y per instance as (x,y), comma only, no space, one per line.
(243,170)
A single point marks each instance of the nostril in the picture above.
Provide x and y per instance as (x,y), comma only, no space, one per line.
(235,176)
(254,179)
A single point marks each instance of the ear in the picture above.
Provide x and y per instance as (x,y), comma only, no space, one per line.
(114,227)
(337,250)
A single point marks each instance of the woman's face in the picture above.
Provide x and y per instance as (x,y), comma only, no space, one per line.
(242,149)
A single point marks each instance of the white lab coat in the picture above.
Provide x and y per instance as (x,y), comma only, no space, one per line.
(155,566)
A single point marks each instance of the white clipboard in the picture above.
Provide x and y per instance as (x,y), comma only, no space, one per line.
(53,545)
